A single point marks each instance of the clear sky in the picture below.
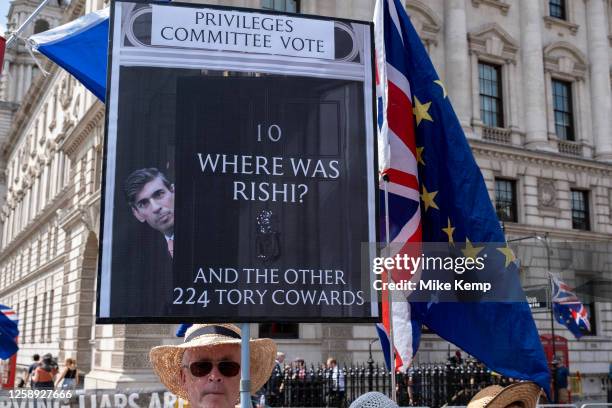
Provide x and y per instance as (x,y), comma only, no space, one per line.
(4,6)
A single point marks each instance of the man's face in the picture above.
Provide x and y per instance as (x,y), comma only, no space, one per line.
(154,204)
(212,390)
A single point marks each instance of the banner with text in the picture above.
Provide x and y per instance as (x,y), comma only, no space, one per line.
(240,172)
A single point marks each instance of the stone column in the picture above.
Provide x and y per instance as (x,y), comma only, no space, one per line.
(78,293)
(476,119)
(457,59)
(360,10)
(324,8)
(515,90)
(534,99)
(335,342)
(586,133)
(121,356)
(600,78)
(475,94)
(20,80)
(28,79)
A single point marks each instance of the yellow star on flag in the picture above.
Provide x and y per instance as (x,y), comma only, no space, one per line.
(443,87)
(420,111)
(508,254)
(470,251)
(449,231)
(428,199)
(419,154)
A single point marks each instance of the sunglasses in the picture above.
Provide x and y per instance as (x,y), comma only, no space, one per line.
(202,368)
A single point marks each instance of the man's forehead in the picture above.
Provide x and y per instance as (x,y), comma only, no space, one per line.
(150,188)
(215,352)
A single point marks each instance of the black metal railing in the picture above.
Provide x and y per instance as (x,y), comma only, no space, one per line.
(606,386)
(431,385)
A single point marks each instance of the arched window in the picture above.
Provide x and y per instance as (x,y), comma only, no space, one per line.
(493,52)
(40,26)
(426,22)
(565,71)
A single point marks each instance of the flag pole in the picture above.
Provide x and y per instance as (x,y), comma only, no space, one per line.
(389,296)
(555,393)
(245,380)
(15,34)
(552,318)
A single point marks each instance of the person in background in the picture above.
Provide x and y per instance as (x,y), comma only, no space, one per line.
(44,374)
(29,378)
(275,386)
(299,369)
(280,360)
(337,389)
(561,383)
(457,359)
(70,375)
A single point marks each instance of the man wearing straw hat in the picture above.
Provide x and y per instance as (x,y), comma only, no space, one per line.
(205,368)
(518,395)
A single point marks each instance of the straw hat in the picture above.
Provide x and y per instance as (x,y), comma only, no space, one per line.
(495,396)
(167,360)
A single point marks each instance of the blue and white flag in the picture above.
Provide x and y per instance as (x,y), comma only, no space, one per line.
(426,158)
(80,47)
(182,329)
(568,309)
(8,332)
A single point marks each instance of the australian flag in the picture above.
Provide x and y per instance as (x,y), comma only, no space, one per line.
(568,309)
(8,332)
(431,172)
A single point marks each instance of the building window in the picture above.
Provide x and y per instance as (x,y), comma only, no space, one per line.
(580,210)
(562,104)
(279,330)
(24,327)
(35,320)
(505,200)
(291,6)
(491,108)
(49,316)
(40,26)
(557,9)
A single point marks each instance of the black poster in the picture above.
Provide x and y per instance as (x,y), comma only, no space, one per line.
(271,198)
(239,183)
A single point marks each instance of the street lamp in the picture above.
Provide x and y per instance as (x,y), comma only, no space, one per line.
(544,240)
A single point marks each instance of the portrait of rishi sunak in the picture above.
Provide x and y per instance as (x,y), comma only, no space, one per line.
(151,199)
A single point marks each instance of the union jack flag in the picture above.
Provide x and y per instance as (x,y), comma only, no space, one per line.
(568,309)
(424,156)
(8,332)
(399,170)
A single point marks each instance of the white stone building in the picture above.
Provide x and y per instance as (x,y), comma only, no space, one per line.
(529,80)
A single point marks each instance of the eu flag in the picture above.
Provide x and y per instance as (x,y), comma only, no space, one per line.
(455,208)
